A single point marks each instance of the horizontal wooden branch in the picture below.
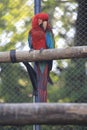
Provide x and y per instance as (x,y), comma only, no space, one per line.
(43,113)
(46,54)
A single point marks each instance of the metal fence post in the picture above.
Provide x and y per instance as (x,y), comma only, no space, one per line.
(37,9)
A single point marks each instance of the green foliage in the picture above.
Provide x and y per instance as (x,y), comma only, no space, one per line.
(14,84)
(14,22)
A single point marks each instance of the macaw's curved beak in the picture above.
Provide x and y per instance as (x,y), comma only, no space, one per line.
(44,25)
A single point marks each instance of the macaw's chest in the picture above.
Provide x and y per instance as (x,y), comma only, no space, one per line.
(38,39)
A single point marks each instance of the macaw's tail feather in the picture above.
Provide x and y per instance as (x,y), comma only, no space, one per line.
(42,95)
(32,75)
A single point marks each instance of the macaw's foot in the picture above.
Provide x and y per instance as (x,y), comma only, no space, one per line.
(31,50)
(41,50)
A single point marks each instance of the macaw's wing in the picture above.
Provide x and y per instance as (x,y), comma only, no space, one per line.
(50,40)
(30,40)
(50,43)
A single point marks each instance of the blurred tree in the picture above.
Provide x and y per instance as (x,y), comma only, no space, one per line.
(75,75)
(15,18)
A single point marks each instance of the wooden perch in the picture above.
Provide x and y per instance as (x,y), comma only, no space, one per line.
(46,54)
(43,113)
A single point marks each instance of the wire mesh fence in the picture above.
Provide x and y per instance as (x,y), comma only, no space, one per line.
(69,24)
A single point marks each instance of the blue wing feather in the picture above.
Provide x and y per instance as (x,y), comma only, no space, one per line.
(49,40)
(50,44)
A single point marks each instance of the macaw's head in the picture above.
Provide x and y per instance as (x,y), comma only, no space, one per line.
(40,20)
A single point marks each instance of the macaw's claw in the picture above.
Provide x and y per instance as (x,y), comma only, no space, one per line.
(41,50)
(31,50)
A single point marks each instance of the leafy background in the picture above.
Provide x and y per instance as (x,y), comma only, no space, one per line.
(68,20)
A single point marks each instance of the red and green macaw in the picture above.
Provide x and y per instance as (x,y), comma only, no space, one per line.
(41,37)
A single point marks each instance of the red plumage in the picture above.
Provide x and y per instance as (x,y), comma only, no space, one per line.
(38,38)
(38,34)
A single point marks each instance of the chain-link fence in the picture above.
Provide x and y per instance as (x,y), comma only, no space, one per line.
(69,24)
